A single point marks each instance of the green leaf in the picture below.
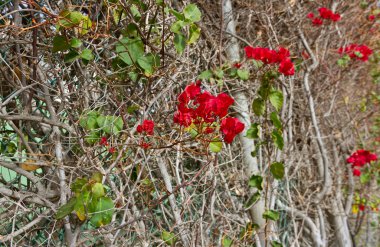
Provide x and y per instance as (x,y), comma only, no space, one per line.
(92,137)
(91,123)
(219,73)
(277,139)
(87,54)
(276,98)
(177,26)
(100,120)
(253,131)
(76,17)
(278,170)
(81,204)
(195,32)
(168,237)
(177,14)
(71,56)
(192,13)
(243,74)
(78,185)
(205,75)
(97,190)
(275,120)
(258,106)
(179,42)
(130,49)
(215,146)
(148,63)
(101,211)
(85,25)
(119,124)
(75,43)
(135,12)
(256,181)
(66,209)
(365,178)
(276,244)
(226,241)
(252,200)
(271,215)
(60,44)
(97,177)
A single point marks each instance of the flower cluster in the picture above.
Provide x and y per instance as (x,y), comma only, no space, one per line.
(355,51)
(268,56)
(324,13)
(359,159)
(146,127)
(204,109)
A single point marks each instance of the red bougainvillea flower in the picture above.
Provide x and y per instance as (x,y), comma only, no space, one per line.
(310,15)
(287,67)
(230,127)
(145,145)
(356,172)
(237,65)
(147,126)
(317,22)
(269,56)
(361,157)
(355,51)
(361,207)
(112,150)
(282,54)
(103,141)
(326,13)
(371,17)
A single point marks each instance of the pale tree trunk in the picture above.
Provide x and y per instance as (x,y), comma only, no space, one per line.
(242,107)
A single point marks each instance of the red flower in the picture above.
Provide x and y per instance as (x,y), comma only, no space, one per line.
(310,15)
(371,17)
(325,13)
(286,67)
(356,172)
(355,51)
(361,157)
(147,126)
(361,207)
(335,17)
(103,141)
(230,127)
(282,54)
(263,54)
(112,150)
(317,22)
(144,145)
(237,65)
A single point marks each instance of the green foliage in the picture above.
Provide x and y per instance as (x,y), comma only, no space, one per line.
(89,201)
(226,241)
(276,99)
(168,237)
(215,146)
(258,106)
(60,44)
(185,29)
(271,215)
(252,200)
(277,139)
(253,131)
(243,74)
(277,169)
(256,181)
